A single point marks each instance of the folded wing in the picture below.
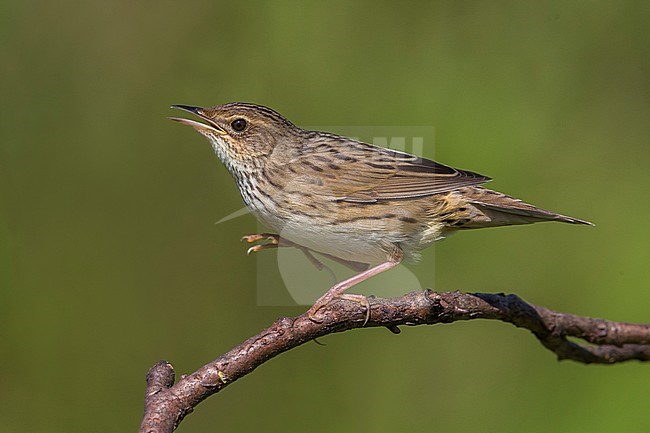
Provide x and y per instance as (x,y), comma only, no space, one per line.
(353,171)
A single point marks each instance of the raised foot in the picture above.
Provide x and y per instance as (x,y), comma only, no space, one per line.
(260,237)
(275,241)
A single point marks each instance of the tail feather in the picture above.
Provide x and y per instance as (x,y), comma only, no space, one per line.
(495,208)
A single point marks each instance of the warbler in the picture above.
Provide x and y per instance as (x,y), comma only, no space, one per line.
(363,205)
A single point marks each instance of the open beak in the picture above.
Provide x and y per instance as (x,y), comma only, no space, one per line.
(203,128)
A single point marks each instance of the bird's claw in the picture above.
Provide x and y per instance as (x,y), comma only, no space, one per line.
(273,238)
(361,300)
(274,241)
(322,302)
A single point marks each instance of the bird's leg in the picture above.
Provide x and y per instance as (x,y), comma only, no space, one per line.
(313,260)
(355,266)
(337,291)
(278,241)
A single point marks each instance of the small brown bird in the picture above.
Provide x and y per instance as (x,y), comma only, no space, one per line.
(362,205)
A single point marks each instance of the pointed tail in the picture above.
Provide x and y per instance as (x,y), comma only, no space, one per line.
(498,209)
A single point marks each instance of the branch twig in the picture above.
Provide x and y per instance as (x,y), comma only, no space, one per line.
(166,403)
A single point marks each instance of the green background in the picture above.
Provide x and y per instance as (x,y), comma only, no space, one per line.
(110,259)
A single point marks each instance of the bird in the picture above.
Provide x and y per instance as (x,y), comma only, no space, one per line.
(362,205)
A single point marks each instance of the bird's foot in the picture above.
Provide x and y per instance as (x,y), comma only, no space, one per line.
(275,241)
(329,297)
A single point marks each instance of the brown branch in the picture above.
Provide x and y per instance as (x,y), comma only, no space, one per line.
(166,403)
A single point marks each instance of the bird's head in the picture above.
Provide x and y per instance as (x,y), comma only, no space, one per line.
(241,133)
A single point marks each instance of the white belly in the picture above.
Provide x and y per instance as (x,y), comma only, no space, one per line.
(340,241)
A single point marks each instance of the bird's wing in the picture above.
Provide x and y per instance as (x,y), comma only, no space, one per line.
(358,172)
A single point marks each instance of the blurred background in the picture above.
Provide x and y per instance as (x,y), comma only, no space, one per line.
(110,259)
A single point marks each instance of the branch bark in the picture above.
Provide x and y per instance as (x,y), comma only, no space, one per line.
(166,403)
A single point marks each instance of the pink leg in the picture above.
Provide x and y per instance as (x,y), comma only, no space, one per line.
(355,266)
(337,290)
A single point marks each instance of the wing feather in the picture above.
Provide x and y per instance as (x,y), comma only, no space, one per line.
(363,173)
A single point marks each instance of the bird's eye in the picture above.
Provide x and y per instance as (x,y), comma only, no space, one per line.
(239,124)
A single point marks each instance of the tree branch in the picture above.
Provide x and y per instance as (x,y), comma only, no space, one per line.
(166,403)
